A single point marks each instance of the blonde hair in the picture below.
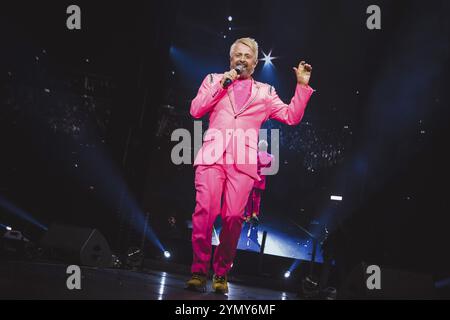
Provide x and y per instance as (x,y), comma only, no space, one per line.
(249,42)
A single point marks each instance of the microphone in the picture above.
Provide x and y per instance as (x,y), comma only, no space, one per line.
(228,81)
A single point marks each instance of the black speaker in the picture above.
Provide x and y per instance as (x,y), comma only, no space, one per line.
(395,284)
(75,245)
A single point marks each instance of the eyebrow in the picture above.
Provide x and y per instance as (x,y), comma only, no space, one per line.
(246,54)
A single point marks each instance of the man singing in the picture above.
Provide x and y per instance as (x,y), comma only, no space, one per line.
(226,166)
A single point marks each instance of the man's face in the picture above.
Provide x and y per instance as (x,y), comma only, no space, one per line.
(243,55)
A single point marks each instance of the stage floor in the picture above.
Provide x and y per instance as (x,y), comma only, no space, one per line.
(26,280)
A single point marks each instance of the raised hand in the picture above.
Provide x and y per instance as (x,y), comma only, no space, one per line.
(303,73)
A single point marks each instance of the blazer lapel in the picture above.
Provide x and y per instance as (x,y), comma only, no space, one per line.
(230,93)
(255,90)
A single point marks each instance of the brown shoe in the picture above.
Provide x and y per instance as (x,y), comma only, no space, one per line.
(197,283)
(220,284)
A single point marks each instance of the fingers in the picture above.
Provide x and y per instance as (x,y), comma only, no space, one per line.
(301,65)
(304,66)
(235,74)
(232,74)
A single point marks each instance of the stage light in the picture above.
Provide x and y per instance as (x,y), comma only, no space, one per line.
(167,254)
(230,18)
(336,198)
(8,228)
(11,208)
(292,268)
(229,28)
(268,59)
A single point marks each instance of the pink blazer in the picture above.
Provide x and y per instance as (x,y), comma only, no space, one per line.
(225,121)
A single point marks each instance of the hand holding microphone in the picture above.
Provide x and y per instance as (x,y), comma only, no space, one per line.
(230,76)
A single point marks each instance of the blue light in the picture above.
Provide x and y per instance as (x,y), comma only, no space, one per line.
(190,65)
(10,207)
(268,71)
(292,268)
(268,59)
(167,254)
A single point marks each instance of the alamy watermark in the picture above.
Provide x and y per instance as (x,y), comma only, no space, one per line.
(74,20)
(374,280)
(373,22)
(74,280)
(243,144)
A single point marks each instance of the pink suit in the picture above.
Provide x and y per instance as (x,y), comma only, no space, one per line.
(226,166)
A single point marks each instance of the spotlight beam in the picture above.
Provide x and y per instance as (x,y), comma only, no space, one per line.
(268,59)
(10,207)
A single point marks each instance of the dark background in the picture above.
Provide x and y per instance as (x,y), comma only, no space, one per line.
(86,117)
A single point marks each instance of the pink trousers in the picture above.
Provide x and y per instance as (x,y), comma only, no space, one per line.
(221,189)
(254,202)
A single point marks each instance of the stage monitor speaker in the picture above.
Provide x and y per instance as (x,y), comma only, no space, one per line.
(395,284)
(83,246)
